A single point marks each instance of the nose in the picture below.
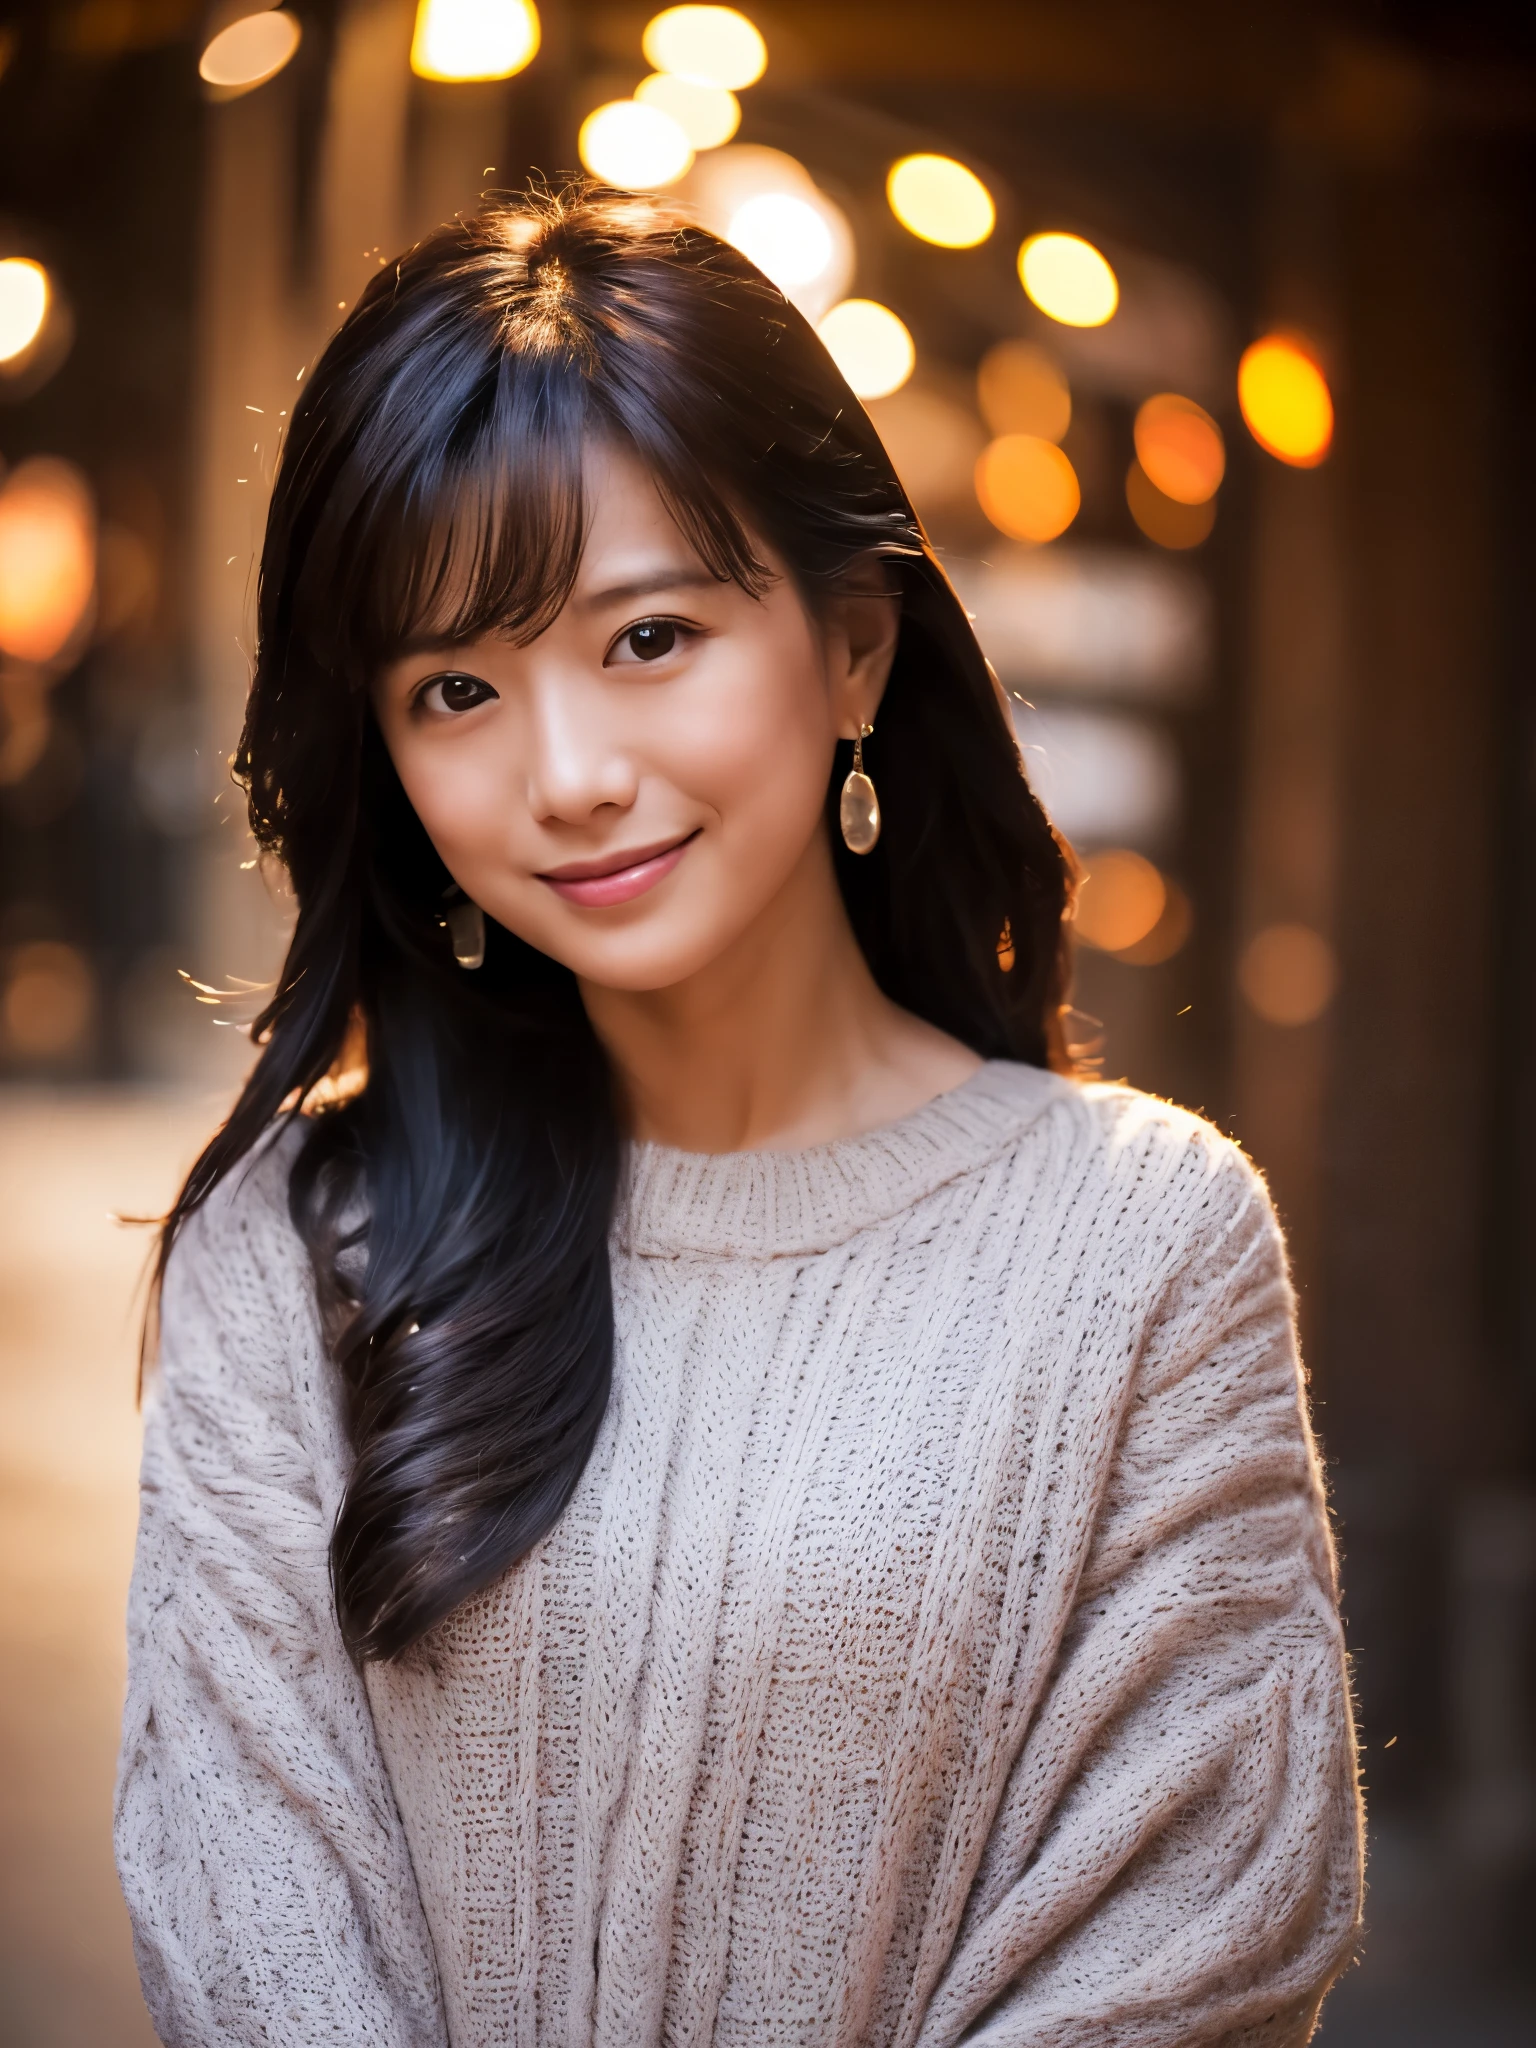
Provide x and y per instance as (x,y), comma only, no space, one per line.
(576,765)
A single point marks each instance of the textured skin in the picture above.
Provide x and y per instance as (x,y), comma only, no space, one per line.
(941,1645)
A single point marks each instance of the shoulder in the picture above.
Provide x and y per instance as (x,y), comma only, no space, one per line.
(238,1282)
(1134,1169)
(245,1219)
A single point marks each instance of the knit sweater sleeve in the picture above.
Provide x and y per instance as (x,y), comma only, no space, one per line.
(1177,1860)
(264,1864)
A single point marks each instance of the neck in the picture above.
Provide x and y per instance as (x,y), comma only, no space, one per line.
(782,1041)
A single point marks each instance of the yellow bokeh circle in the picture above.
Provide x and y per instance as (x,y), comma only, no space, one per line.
(940,201)
(1181,448)
(1069,279)
(1027,487)
(870,345)
(1285,401)
(715,44)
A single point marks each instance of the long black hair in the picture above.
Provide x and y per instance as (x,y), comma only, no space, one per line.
(457,1206)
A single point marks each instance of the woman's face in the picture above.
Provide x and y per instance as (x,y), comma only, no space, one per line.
(632,790)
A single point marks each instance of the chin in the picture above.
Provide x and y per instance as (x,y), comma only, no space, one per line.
(641,961)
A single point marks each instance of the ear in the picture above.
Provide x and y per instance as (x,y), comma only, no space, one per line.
(859,629)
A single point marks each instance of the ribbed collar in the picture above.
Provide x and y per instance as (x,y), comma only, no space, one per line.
(768,1204)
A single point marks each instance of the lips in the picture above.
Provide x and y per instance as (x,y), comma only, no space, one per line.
(617,877)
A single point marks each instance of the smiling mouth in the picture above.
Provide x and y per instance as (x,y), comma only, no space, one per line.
(617,877)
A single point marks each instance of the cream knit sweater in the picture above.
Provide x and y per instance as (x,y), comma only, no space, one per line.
(941,1645)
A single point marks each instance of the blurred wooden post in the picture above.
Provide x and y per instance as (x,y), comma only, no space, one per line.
(248,354)
(1296,685)
(261,327)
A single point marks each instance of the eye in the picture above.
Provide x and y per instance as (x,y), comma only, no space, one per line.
(649,640)
(454,692)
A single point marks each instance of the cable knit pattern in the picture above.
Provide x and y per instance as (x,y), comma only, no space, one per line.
(940,1647)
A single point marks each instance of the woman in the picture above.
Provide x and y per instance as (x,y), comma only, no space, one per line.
(712,1493)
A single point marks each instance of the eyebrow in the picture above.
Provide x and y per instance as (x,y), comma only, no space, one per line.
(647,585)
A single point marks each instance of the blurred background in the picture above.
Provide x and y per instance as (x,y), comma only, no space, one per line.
(1203,337)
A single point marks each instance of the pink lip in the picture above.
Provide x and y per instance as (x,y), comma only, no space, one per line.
(620,877)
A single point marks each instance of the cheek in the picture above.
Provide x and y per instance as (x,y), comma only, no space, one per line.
(760,739)
(459,794)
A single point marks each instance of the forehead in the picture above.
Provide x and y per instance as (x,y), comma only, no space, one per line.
(625,515)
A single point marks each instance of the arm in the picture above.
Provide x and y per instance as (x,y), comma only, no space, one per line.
(1177,1860)
(264,1864)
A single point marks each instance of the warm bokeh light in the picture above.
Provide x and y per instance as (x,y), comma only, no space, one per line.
(47,558)
(1164,519)
(714,44)
(23,305)
(870,345)
(1288,973)
(1027,487)
(784,235)
(250,51)
(1121,900)
(1021,391)
(1067,278)
(47,1000)
(767,203)
(634,146)
(933,443)
(707,114)
(1167,937)
(1286,401)
(1180,447)
(940,201)
(462,40)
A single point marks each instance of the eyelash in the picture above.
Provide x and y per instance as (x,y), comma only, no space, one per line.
(419,702)
(681,627)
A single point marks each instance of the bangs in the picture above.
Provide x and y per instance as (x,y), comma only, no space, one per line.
(473,517)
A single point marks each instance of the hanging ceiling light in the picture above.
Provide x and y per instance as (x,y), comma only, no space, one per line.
(249,51)
(464,40)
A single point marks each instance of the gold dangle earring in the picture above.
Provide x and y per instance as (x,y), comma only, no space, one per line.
(466,930)
(859,811)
